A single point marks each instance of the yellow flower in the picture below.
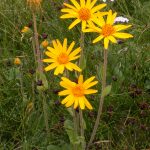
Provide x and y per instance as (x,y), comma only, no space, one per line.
(76,92)
(25,29)
(61,57)
(107,30)
(45,43)
(83,12)
(17,61)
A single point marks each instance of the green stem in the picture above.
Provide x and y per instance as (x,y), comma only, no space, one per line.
(75,121)
(82,47)
(45,112)
(101,100)
(37,44)
(82,129)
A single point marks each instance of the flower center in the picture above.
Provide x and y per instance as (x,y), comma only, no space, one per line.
(63,58)
(84,14)
(78,91)
(107,30)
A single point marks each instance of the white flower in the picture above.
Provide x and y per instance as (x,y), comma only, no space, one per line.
(121,19)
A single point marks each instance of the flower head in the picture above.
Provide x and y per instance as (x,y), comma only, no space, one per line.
(83,12)
(61,57)
(107,30)
(25,29)
(17,61)
(45,43)
(76,92)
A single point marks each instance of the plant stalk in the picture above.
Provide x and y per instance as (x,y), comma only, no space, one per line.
(45,112)
(37,44)
(82,129)
(101,100)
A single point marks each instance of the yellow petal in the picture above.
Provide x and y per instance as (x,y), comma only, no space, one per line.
(81,102)
(100,20)
(66,16)
(106,43)
(76,103)
(80,80)
(112,39)
(59,69)
(51,66)
(69,67)
(98,7)
(82,3)
(75,67)
(67,81)
(90,91)
(59,44)
(70,6)
(83,25)
(88,81)
(75,52)
(52,50)
(98,38)
(55,44)
(121,27)
(74,58)
(88,2)
(74,2)
(48,60)
(65,45)
(123,35)
(91,84)
(93,3)
(65,85)
(74,23)
(65,100)
(70,102)
(70,47)
(87,104)
(51,55)
(64,92)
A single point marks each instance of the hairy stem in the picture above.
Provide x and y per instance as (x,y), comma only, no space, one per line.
(82,129)
(101,100)
(37,44)
(45,112)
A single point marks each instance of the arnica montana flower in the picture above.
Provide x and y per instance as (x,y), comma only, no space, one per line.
(107,30)
(83,12)
(76,92)
(61,57)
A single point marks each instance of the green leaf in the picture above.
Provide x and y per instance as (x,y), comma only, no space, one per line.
(83,63)
(107,90)
(100,71)
(73,137)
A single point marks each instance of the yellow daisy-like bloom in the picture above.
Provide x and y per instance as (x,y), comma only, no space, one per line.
(76,92)
(107,30)
(61,57)
(83,12)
